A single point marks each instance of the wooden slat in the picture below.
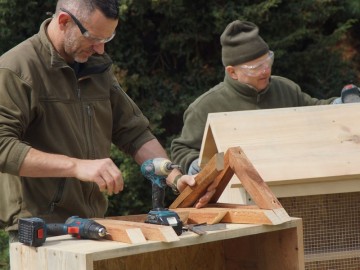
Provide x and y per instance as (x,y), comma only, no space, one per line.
(122,233)
(206,176)
(150,231)
(241,215)
(232,205)
(135,218)
(203,215)
(222,179)
(130,235)
(282,214)
(251,180)
(252,216)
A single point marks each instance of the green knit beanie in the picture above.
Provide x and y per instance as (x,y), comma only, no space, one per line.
(241,43)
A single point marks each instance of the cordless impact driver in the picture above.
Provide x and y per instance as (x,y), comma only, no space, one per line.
(156,170)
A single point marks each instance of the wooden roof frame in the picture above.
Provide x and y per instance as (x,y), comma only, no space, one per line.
(219,171)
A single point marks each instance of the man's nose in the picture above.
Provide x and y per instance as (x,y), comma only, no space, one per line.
(266,69)
(99,48)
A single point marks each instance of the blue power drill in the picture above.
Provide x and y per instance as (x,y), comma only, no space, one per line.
(33,231)
(156,170)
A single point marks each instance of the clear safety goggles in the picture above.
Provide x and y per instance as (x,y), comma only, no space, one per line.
(258,68)
(85,32)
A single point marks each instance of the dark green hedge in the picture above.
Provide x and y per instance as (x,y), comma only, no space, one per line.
(167,53)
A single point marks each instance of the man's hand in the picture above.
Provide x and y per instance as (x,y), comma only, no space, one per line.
(101,171)
(349,94)
(184,181)
(203,201)
(194,167)
(189,180)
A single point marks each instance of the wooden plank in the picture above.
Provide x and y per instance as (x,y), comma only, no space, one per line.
(242,215)
(135,218)
(121,233)
(190,195)
(315,187)
(203,215)
(256,256)
(252,216)
(251,180)
(130,236)
(190,257)
(232,205)
(282,214)
(222,179)
(150,231)
(274,216)
(206,153)
(272,251)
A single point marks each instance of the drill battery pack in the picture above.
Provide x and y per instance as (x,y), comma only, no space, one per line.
(32,231)
(165,217)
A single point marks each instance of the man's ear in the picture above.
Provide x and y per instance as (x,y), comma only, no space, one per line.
(63,20)
(231,71)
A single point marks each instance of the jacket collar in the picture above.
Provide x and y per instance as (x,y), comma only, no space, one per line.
(242,88)
(95,64)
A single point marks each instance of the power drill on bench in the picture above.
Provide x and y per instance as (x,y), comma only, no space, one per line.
(33,231)
(156,171)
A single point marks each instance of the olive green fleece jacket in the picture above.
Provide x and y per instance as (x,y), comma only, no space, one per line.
(231,95)
(44,104)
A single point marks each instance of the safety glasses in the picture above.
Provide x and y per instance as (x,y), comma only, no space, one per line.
(258,68)
(85,32)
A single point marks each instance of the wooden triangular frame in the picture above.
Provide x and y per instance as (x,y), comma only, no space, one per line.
(219,171)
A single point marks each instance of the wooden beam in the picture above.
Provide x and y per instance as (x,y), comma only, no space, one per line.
(150,231)
(190,195)
(222,179)
(242,215)
(232,205)
(252,216)
(203,215)
(135,218)
(251,180)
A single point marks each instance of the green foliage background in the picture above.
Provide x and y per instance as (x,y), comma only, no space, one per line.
(167,52)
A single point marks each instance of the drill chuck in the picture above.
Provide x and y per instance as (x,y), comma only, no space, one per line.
(102,232)
(156,170)
(160,166)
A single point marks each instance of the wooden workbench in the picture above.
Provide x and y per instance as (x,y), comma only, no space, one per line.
(251,247)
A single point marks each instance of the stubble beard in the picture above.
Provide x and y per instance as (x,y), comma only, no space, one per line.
(72,48)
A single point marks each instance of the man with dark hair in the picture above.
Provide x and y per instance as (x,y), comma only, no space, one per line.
(248,85)
(61,107)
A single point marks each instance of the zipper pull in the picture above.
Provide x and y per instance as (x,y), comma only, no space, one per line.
(52,207)
(89,110)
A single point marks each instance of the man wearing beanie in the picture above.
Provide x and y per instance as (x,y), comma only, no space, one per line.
(248,85)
